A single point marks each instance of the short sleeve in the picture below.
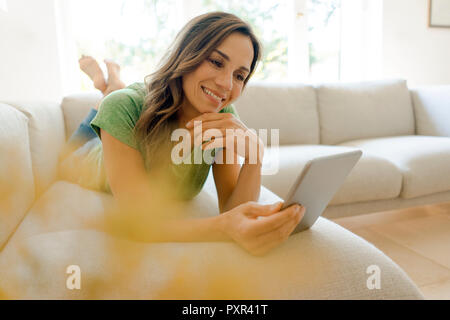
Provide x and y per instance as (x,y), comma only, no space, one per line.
(230,109)
(117,115)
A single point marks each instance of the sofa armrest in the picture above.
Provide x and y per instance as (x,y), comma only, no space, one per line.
(16,175)
(47,138)
(432,110)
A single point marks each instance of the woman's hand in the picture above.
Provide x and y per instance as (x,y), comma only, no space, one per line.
(258,236)
(246,144)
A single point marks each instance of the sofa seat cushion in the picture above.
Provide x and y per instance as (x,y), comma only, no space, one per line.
(68,206)
(372,178)
(325,262)
(64,206)
(424,161)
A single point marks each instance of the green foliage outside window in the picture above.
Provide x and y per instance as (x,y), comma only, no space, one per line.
(150,26)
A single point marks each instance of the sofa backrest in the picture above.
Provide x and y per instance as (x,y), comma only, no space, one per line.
(350,111)
(261,106)
(304,114)
(291,108)
(16,174)
(326,114)
(432,110)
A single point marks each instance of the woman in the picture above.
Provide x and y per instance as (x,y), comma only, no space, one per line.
(203,73)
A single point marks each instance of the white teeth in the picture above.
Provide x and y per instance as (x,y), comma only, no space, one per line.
(212,94)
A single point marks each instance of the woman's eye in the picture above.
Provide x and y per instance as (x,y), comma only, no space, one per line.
(240,77)
(215,62)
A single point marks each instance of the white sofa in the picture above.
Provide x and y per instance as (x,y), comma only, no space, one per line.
(47,224)
(404,135)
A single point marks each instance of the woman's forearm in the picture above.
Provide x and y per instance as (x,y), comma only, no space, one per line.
(171,229)
(144,212)
(248,186)
(191,230)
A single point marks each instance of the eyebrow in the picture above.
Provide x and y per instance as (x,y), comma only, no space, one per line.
(228,59)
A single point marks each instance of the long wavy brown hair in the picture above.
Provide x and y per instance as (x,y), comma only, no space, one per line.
(192,45)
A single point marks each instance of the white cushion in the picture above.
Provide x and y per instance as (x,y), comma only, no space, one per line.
(59,208)
(47,138)
(432,110)
(64,206)
(372,178)
(289,108)
(423,161)
(16,175)
(325,262)
(364,110)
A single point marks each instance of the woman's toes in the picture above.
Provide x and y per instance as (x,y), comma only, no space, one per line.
(114,81)
(113,69)
(90,66)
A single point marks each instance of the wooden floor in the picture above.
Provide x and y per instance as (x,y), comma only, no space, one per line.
(417,239)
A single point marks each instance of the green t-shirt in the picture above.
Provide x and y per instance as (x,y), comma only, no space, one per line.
(118,114)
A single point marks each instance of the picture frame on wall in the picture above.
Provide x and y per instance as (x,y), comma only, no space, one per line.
(439,13)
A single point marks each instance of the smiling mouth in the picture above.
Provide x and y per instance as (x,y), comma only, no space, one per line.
(208,92)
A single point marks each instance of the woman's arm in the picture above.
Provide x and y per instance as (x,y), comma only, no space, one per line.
(235,184)
(141,212)
(140,220)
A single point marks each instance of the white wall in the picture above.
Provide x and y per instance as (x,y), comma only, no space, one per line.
(361,40)
(412,50)
(38,62)
(29,60)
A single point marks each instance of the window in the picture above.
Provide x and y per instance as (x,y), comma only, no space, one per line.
(303,40)
(134,33)
(324,40)
(268,19)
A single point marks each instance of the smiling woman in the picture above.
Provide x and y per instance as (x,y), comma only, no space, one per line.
(219,79)
(204,71)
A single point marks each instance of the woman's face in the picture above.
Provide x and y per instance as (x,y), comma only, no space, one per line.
(219,80)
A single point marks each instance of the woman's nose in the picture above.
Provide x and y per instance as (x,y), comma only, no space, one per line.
(225,81)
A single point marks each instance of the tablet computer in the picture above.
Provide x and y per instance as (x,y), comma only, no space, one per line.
(318,182)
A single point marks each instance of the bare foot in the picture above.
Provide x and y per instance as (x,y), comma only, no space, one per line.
(90,66)
(114,82)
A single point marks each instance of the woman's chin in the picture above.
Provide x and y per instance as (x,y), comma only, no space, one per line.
(209,109)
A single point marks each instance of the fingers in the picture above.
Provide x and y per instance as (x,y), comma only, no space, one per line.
(208,116)
(216,142)
(255,209)
(213,124)
(274,238)
(259,236)
(283,230)
(197,138)
(278,219)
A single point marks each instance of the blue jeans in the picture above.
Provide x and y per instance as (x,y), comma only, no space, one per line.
(76,165)
(84,133)
(77,144)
